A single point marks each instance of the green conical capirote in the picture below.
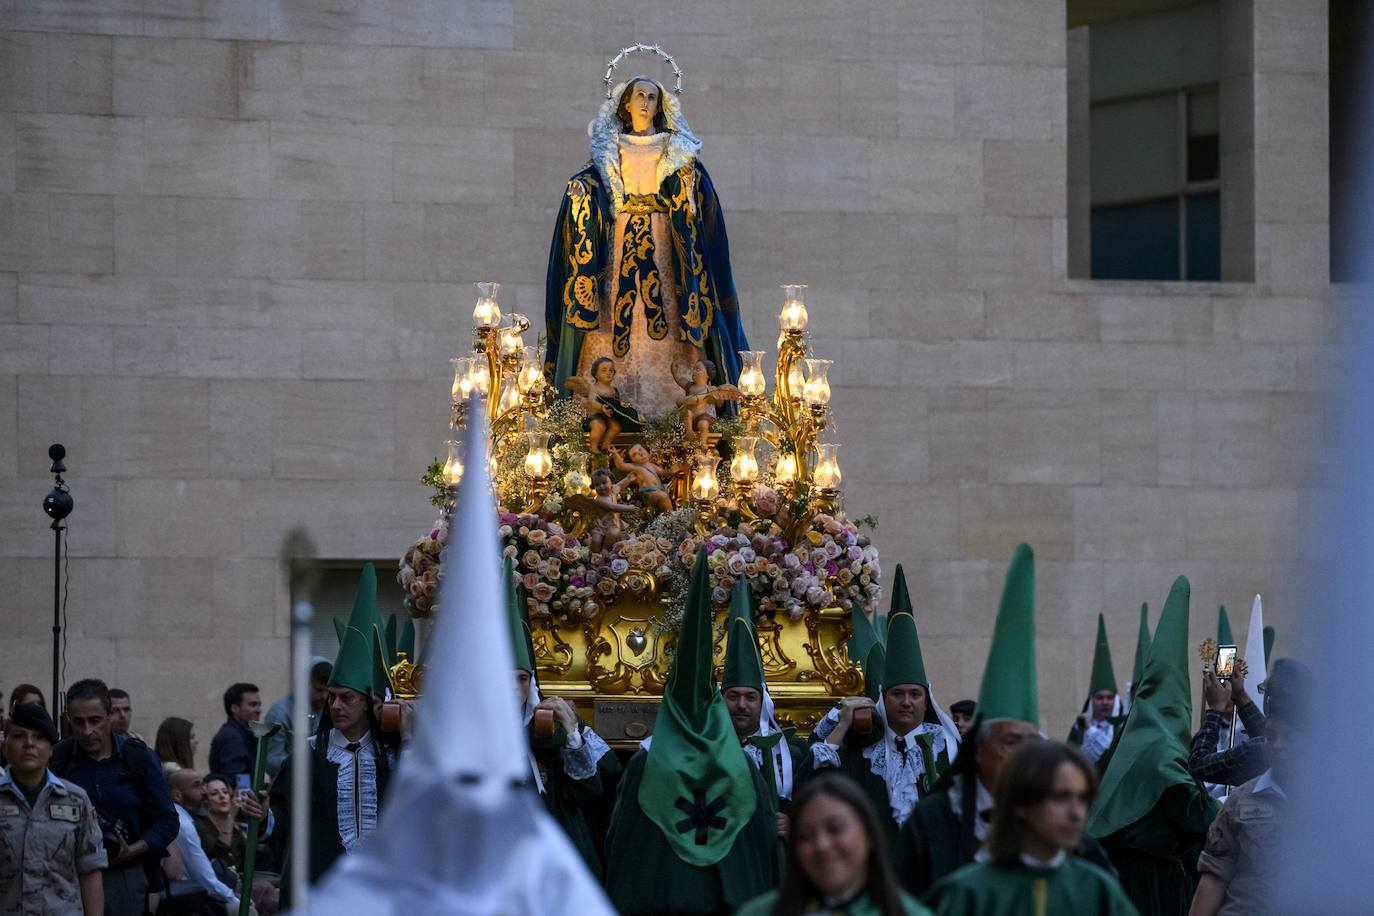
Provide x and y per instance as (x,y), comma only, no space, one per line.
(1142,645)
(381,664)
(874,666)
(1224,637)
(406,641)
(355,666)
(1103,677)
(695,757)
(901,601)
(903,649)
(392,626)
(1153,751)
(864,638)
(1009,689)
(517,614)
(743,664)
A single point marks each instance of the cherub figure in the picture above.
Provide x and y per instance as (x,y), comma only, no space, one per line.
(608,530)
(607,414)
(649,477)
(701,396)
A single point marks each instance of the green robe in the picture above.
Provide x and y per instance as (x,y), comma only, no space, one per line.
(325,845)
(931,846)
(1075,887)
(572,802)
(859,906)
(644,875)
(1156,857)
(854,765)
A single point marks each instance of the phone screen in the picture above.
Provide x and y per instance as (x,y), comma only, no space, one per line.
(1226,662)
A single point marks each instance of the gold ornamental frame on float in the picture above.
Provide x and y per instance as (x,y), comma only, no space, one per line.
(613,667)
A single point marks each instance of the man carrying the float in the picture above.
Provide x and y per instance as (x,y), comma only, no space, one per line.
(571,767)
(694,828)
(911,743)
(350,759)
(1095,726)
(775,751)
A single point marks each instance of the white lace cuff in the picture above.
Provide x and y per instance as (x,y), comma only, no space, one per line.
(580,762)
(827,724)
(824,755)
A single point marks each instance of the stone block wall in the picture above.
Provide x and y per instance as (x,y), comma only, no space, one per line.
(237,238)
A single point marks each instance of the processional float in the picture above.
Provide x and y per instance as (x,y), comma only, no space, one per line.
(642,430)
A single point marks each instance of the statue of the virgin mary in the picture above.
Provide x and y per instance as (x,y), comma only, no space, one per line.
(639,267)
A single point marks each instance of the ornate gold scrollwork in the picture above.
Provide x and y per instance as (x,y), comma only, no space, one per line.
(829,657)
(406,677)
(550,651)
(775,660)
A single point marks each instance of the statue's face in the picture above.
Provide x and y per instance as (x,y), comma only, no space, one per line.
(642,104)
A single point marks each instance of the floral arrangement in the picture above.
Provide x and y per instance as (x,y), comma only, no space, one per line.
(831,563)
(640,560)
(551,563)
(847,559)
(419,573)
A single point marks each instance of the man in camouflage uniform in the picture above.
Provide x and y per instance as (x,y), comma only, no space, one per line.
(51,854)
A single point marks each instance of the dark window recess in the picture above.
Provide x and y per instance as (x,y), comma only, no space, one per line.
(1203,217)
(1204,158)
(1136,241)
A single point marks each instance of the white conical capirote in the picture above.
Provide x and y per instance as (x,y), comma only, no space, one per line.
(469,687)
(459,835)
(1255,669)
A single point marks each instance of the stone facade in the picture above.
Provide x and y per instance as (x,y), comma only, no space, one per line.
(237,238)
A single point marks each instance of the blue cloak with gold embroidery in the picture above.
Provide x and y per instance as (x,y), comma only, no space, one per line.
(580,258)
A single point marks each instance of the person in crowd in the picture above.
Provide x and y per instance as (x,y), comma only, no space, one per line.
(351,761)
(224,838)
(1212,757)
(776,752)
(1043,796)
(122,714)
(234,747)
(188,793)
(947,828)
(1153,815)
(26,693)
(837,859)
(123,778)
(571,767)
(694,830)
(51,853)
(279,744)
(1236,865)
(176,744)
(961,711)
(912,741)
(1094,728)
